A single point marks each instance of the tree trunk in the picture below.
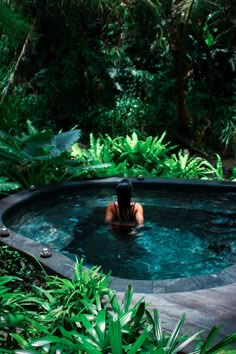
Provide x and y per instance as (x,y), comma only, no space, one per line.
(178,48)
(179,53)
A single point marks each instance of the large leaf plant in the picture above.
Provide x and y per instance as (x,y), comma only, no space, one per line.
(37,157)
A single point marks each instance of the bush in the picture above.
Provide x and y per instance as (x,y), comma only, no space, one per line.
(83,315)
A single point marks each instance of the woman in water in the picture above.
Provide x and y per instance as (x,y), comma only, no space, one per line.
(124,212)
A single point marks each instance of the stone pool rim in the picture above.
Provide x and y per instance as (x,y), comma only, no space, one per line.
(63,266)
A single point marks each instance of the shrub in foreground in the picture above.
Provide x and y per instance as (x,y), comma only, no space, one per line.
(84,315)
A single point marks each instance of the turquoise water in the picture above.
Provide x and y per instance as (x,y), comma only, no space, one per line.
(184,235)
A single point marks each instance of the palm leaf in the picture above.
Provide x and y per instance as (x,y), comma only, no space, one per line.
(141,339)
(115,305)
(116,335)
(101,326)
(174,335)
(156,327)
(126,301)
(223,344)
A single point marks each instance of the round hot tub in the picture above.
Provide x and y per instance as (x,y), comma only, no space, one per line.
(188,241)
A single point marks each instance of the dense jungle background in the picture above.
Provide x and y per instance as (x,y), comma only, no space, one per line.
(101,88)
(116,67)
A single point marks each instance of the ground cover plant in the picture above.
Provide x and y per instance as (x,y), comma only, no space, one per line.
(83,315)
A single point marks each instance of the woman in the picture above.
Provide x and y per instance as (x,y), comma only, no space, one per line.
(124,212)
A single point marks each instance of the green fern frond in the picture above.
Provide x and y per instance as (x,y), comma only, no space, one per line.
(77,151)
(31,129)
(183,160)
(147,143)
(92,141)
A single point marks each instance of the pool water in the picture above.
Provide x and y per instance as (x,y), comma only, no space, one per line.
(184,235)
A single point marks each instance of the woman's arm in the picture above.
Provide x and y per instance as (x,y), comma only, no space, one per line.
(139,214)
(109,214)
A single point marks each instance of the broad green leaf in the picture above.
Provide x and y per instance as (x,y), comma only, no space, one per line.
(20,339)
(63,141)
(126,301)
(220,346)
(139,342)
(137,319)
(101,326)
(116,335)
(88,345)
(178,348)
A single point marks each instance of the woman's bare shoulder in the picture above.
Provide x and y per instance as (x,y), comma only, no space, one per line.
(111,205)
(138,206)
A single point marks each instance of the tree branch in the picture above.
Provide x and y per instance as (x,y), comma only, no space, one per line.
(12,76)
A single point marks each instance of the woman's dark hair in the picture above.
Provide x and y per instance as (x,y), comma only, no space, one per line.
(124,193)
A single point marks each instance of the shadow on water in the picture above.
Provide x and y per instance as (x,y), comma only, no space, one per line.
(220,231)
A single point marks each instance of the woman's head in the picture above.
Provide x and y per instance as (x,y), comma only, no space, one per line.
(124,193)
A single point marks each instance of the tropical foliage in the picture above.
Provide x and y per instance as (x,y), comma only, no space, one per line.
(184,166)
(38,158)
(7,186)
(84,315)
(123,72)
(146,66)
(131,157)
(34,158)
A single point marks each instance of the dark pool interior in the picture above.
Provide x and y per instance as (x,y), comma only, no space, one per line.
(185,233)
